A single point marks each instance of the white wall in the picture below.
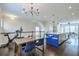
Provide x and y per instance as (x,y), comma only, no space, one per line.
(50,26)
(13,25)
(3,39)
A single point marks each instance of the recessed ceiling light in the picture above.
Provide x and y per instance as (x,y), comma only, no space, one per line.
(72,13)
(70,7)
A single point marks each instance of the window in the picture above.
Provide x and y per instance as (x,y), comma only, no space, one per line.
(64,27)
(37,29)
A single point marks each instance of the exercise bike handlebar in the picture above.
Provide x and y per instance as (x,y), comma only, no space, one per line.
(9,39)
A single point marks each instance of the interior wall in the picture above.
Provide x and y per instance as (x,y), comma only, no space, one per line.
(50,26)
(3,39)
(13,25)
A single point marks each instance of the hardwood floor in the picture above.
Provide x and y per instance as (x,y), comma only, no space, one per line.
(69,48)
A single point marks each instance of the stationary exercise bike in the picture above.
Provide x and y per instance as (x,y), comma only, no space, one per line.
(10,39)
(17,33)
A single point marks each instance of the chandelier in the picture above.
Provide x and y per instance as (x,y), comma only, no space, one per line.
(31,10)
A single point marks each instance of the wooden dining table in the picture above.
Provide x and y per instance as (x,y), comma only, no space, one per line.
(18,44)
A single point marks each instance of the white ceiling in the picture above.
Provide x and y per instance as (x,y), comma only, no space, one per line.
(48,11)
